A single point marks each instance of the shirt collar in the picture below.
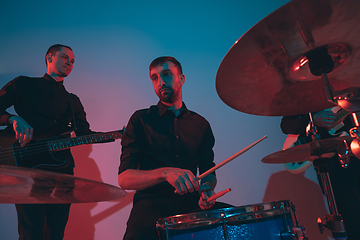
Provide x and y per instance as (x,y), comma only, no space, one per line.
(50,79)
(163,108)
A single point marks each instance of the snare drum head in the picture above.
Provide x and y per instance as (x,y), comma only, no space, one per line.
(185,221)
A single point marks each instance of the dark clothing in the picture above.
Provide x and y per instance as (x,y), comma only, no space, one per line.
(345,181)
(36,227)
(147,209)
(156,138)
(45,105)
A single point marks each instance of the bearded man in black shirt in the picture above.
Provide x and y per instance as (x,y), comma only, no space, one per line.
(162,149)
(43,105)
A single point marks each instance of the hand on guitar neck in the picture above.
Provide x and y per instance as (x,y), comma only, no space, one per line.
(330,119)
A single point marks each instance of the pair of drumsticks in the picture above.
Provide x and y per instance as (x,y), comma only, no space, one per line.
(229,159)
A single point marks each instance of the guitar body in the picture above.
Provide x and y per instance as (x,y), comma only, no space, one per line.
(35,154)
(297,167)
(45,153)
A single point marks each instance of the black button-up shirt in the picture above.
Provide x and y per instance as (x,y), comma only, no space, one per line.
(44,104)
(156,138)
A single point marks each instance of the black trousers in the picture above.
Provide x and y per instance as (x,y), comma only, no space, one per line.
(42,221)
(148,209)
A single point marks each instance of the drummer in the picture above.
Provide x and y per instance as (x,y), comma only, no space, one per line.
(162,149)
(345,181)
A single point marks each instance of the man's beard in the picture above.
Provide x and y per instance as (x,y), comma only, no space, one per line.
(171,97)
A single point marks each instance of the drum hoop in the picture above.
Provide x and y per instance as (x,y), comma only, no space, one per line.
(232,214)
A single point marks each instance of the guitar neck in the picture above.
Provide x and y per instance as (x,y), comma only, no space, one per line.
(61,144)
(341,114)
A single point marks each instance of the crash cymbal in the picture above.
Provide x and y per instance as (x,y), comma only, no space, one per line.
(306,152)
(266,71)
(25,185)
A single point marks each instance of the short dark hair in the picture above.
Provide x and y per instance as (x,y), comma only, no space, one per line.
(161,60)
(54,49)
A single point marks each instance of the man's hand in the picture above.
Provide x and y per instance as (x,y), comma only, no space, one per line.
(182,180)
(324,118)
(23,131)
(206,192)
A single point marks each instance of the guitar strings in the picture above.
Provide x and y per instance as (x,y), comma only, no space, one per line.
(61,144)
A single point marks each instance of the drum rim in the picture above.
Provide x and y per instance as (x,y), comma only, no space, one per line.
(231,214)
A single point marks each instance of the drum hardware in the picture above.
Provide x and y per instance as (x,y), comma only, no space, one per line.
(347,149)
(334,221)
(320,64)
(314,151)
(321,165)
(349,99)
(344,153)
(311,129)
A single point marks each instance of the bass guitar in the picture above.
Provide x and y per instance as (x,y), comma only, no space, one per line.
(293,140)
(41,153)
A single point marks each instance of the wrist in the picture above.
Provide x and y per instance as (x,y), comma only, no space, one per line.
(162,173)
(11,119)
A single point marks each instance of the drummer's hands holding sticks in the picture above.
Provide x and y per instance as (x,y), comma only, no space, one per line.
(182,180)
(206,192)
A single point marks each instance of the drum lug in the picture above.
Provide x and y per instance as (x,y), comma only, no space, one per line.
(300,233)
(287,236)
(335,224)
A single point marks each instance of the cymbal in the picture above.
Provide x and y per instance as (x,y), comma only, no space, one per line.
(306,152)
(266,71)
(26,185)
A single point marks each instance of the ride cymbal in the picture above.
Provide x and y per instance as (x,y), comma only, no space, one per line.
(266,71)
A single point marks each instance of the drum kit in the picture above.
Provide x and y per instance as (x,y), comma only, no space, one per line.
(302,58)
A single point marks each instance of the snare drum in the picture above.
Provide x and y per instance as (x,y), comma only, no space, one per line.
(270,221)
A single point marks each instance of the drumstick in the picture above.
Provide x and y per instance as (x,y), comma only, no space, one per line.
(219,194)
(229,159)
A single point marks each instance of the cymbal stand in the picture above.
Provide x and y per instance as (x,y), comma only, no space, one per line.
(321,63)
(334,221)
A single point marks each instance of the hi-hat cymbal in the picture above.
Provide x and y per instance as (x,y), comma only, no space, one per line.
(306,152)
(25,185)
(266,71)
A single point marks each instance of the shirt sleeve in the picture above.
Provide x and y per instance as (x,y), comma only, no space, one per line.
(294,124)
(132,144)
(7,98)
(206,153)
